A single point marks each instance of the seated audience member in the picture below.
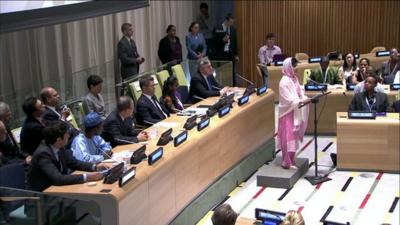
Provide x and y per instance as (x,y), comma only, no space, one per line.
(369,71)
(8,145)
(203,84)
(391,66)
(293,218)
(266,52)
(31,132)
(224,215)
(370,99)
(361,71)
(349,69)
(393,76)
(170,96)
(148,109)
(89,146)
(51,99)
(118,127)
(93,101)
(51,161)
(170,48)
(325,74)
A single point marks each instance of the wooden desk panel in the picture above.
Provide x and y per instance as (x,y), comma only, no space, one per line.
(371,145)
(275,72)
(335,102)
(168,186)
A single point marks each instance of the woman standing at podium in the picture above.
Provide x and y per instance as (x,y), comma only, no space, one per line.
(292,121)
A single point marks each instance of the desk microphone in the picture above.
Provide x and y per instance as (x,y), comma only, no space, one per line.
(242,78)
(125,141)
(314,82)
(197,97)
(216,87)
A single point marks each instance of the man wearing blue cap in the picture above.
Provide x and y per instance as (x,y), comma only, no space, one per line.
(90,146)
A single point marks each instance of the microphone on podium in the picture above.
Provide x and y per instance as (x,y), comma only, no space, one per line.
(242,78)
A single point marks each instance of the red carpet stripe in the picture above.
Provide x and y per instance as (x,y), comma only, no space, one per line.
(300,209)
(305,146)
(258,193)
(364,202)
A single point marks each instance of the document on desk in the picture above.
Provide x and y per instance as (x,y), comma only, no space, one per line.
(167,124)
(193,111)
(121,156)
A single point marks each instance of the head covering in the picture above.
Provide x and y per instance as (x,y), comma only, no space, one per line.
(287,70)
(92,119)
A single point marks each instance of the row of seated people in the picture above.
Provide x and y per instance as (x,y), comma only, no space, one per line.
(350,73)
(51,147)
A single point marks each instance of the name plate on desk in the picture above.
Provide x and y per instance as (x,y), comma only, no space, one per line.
(127,176)
(312,87)
(314,60)
(222,112)
(155,156)
(350,87)
(203,124)
(395,87)
(261,90)
(243,100)
(361,115)
(269,216)
(382,53)
(182,137)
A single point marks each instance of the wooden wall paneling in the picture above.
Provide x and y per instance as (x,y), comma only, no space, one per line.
(314,27)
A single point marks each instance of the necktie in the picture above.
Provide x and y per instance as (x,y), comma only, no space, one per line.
(208,84)
(158,107)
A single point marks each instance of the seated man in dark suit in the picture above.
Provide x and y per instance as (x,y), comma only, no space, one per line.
(8,145)
(31,132)
(148,109)
(203,84)
(52,112)
(51,161)
(370,100)
(118,127)
(325,74)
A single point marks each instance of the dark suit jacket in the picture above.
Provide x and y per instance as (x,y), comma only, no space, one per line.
(45,170)
(49,115)
(219,35)
(198,87)
(127,54)
(10,150)
(164,50)
(147,111)
(31,135)
(115,127)
(359,103)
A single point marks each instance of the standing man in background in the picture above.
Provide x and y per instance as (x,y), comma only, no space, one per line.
(128,54)
(226,44)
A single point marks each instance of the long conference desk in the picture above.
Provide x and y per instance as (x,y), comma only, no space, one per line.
(368,145)
(275,72)
(338,101)
(161,191)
